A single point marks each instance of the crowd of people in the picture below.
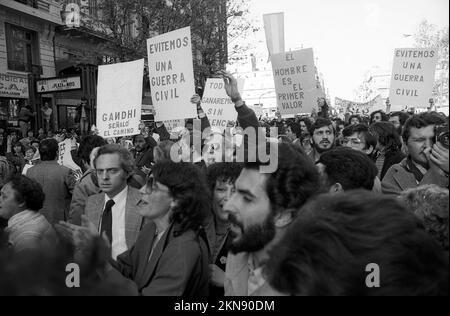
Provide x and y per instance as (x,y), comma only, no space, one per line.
(162,214)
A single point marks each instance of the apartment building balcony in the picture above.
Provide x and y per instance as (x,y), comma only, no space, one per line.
(48,10)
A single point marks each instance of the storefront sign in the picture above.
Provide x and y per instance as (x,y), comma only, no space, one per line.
(13,87)
(58,84)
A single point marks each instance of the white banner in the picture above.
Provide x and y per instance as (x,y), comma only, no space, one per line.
(295,82)
(274,29)
(358,108)
(65,156)
(119,99)
(171,74)
(412,78)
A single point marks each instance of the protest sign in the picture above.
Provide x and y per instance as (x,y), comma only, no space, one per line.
(172,124)
(217,105)
(171,74)
(119,99)
(65,156)
(295,82)
(412,77)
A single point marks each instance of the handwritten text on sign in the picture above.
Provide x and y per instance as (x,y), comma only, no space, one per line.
(295,83)
(412,77)
(217,105)
(119,99)
(171,74)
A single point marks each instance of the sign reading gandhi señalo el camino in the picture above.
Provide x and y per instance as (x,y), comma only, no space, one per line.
(13,87)
(58,84)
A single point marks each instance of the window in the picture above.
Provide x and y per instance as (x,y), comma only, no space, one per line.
(22,48)
(93,8)
(31,3)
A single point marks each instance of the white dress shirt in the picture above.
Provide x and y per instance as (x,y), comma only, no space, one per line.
(119,243)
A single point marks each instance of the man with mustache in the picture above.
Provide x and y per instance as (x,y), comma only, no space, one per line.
(322,138)
(427,162)
(259,212)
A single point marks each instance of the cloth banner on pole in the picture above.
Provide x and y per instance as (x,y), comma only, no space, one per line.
(171,74)
(119,99)
(274,29)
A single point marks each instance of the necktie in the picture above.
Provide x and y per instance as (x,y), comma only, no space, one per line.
(107,220)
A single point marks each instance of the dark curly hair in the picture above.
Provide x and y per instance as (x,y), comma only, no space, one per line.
(87,145)
(364,131)
(48,149)
(307,123)
(296,129)
(187,185)
(28,191)
(387,135)
(350,168)
(384,117)
(354,116)
(420,121)
(294,182)
(319,123)
(402,116)
(327,249)
(223,171)
(430,204)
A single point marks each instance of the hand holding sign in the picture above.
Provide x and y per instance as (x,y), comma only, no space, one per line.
(231,86)
(196,99)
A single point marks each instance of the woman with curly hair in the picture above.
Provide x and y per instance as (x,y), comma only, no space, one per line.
(389,147)
(170,257)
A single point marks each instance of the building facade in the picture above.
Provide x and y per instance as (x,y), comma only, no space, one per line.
(27,34)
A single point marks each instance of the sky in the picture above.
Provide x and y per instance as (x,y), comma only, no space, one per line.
(349,37)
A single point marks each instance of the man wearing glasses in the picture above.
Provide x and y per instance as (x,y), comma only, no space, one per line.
(115,209)
(359,138)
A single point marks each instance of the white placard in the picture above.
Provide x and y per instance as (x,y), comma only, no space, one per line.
(172,124)
(119,99)
(171,74)
(217,105)
(295,81)
(65,156)
(412,77)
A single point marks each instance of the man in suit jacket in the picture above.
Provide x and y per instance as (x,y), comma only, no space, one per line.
(170,257)
(183,257)
(114,211)
(57,182)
